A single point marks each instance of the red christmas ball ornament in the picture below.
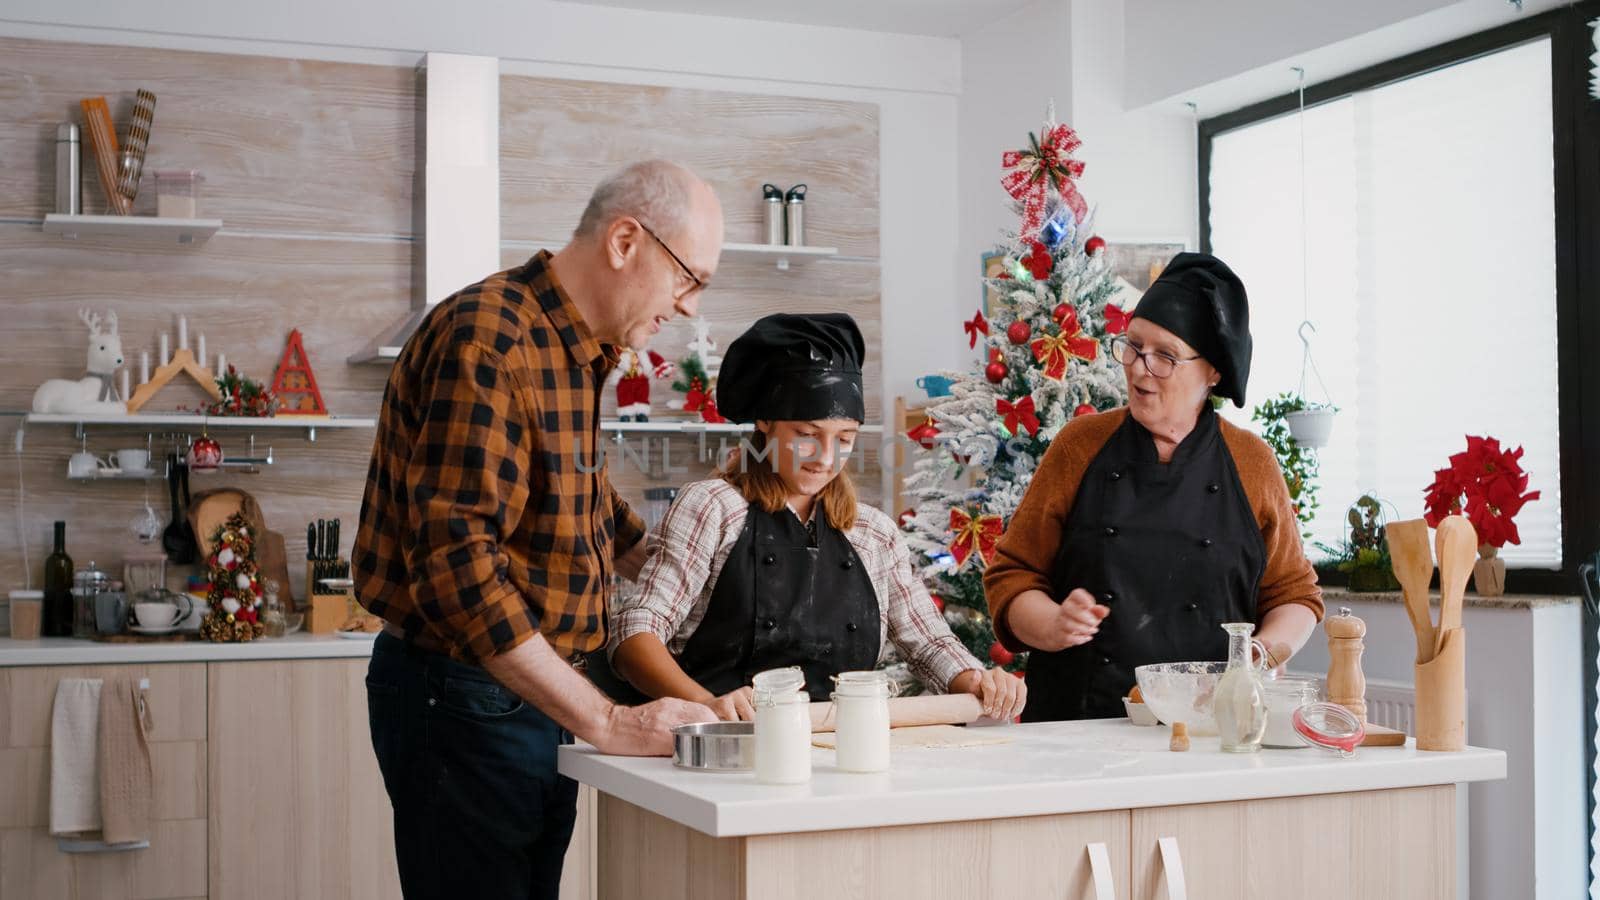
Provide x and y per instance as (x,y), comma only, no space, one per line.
(1060,312)
(938,602)
(205,454)
(1084,409)
(995,372)
(926,434)
(1018,332)
(1000,656)
(1094,245)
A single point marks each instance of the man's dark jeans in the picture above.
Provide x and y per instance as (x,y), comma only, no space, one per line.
(479,810)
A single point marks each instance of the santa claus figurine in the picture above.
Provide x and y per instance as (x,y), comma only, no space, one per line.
(633,388)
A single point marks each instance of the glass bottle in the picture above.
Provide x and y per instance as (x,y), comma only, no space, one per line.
(1240,702)
(782,727)
(58,588)
(272,618)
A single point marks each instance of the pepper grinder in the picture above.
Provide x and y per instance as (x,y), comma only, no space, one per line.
(1346,685)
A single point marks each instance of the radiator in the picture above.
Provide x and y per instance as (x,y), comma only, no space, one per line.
(1392,704)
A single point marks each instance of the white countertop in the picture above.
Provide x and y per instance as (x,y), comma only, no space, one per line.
(79,652)
(1049,768)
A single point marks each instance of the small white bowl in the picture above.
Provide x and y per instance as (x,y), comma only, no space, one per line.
(1139,714)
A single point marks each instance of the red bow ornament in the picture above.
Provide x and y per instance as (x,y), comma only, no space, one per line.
(1046,161)
(977,534)
(1020,416)
(972,328)
(1116,319)
(1054,350)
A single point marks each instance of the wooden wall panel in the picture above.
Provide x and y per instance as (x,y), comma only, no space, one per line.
(558,138)
(284,144)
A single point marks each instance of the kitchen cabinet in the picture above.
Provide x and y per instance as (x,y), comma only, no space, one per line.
(1366,844)
(647,855)
(31,866)
(264,778)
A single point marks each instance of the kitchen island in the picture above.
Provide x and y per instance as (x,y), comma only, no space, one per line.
(1094,810)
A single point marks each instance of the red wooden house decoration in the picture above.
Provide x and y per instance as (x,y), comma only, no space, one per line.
(294,383)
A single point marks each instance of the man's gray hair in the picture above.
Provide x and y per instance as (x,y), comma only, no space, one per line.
(656,192)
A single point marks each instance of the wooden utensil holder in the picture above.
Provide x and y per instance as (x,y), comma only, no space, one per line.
(325,611)
(1441,685)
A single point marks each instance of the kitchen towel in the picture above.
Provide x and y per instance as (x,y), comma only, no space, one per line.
(125,773)
(74,757)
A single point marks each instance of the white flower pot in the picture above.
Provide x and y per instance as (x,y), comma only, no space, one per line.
(1311,427)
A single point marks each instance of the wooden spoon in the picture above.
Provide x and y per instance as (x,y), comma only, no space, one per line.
(1458,549)
(1413,568)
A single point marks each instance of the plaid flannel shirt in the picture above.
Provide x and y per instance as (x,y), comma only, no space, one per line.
(486,517)
(692,543)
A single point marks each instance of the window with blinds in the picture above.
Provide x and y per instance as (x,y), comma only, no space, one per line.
(1429,275)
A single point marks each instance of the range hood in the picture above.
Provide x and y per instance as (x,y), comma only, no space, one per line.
(456,210)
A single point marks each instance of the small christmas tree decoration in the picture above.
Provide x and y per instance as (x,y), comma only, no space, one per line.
(1116,319)
(1094,245)
(295,384)
(1018,332)
(242,396)
(995,372)
(235,594)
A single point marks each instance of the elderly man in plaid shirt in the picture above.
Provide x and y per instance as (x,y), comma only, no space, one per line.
(488,538)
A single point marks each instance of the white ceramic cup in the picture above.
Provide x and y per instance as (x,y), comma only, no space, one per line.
(133,460)
(155,615)
(84,464)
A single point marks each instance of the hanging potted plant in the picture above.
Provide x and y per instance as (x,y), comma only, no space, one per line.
(1488,486)
(1365,554)
(1311,425)
(1297,460)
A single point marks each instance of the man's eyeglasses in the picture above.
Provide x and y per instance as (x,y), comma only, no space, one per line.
(695,283)
(1158,364)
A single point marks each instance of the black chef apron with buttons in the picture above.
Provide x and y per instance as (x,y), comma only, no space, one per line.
(1172,549)
(784,599)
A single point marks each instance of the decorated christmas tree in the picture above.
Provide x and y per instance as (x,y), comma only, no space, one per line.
(1047,361)
(235,595)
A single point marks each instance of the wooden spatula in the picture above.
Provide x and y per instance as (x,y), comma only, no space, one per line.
(1458,549)
(1413,568)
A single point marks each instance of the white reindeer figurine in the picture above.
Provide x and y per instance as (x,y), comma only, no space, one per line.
(97,392)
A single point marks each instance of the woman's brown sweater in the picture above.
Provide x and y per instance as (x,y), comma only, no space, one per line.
(1028,549)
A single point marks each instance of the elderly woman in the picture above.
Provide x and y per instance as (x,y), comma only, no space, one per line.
(773,562)
(1146,528)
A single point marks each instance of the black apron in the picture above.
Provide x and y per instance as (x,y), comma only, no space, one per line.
(1172,549)
(782,601)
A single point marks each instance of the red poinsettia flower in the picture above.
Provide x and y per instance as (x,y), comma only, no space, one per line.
(1485,483)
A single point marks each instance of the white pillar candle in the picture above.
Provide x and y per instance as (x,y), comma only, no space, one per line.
(200,345)
(144,366)
(222,363)
(124,383)
(165,358)
(183,333)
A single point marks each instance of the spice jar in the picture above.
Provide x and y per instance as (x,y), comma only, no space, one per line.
(783,727)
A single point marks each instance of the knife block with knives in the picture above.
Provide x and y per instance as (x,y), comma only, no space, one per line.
(326,608)
(1441,661)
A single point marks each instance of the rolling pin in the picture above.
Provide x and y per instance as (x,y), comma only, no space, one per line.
(929,709)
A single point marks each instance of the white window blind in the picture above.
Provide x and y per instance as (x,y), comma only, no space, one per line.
(1430,262)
